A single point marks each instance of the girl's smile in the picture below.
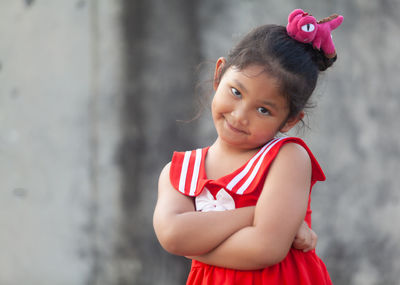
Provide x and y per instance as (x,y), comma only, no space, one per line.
(235,129)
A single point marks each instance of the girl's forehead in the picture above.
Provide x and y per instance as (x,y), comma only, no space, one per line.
(253,75)
(250,71)
(256,80)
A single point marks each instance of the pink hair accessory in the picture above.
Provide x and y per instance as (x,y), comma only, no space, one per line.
(304,28)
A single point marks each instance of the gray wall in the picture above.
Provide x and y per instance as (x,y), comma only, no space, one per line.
(90,95)
(60,99)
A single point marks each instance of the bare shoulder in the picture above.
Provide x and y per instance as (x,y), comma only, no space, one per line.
(294,153)
(164,181)
(164,175)
(169,199)
(296,149)
(293,160)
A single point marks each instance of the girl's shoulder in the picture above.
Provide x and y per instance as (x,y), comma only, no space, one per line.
(296,146)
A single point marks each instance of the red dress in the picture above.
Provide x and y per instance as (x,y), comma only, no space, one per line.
(188,176)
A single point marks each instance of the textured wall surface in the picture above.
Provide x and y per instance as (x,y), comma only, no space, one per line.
(60,87)
(91,92)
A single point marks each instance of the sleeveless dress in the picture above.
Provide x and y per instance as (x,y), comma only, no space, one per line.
(244,185)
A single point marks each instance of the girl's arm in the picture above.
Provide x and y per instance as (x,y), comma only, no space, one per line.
(279,213)
(183,231)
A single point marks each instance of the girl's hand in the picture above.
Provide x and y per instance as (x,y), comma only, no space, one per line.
(306,239)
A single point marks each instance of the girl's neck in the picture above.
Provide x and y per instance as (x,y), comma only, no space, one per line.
(223,159)
(220,147)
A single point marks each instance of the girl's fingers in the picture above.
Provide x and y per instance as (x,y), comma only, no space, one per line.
(313,242)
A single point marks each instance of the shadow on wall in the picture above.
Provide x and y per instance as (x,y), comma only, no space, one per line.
(161,47)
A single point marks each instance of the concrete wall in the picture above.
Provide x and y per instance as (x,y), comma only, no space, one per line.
(90,92)
(60,98)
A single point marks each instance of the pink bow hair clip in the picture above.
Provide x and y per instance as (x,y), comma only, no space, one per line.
(304,28)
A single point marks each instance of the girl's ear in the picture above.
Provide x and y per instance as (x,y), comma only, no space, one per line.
(291,122)
(217,73)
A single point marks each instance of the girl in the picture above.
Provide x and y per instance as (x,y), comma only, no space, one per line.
(240,208)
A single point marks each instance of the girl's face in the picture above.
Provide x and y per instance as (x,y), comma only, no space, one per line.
(248,109)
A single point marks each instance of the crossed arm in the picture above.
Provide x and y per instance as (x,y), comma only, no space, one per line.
(245,238)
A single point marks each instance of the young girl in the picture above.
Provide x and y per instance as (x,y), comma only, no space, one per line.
(240,208)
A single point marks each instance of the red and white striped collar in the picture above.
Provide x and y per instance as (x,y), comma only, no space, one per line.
(191,180)
(249,172)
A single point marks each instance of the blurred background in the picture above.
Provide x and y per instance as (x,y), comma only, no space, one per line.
(95,96)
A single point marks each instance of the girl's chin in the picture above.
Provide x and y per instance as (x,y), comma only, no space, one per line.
(240,142)
(229,140)
(236,142)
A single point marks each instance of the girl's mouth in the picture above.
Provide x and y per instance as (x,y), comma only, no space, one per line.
(234,129)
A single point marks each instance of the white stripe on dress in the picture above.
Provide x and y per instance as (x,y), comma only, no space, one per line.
(185,164)
(196,171)
(256,168)
(244,172)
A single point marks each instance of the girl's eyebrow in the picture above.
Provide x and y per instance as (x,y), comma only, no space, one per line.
(263,102)
(241,86)
(269,103)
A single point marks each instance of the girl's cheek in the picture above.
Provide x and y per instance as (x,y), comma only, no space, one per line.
(213,102)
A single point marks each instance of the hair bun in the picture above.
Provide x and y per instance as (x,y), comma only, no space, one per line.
(322,62)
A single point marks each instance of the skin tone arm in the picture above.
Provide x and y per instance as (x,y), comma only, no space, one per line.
(183,231)
(279,213)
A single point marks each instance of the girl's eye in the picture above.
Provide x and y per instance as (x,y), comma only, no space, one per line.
(236,92)
(263,111)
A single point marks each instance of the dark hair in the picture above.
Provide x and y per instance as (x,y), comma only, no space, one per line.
(294,64)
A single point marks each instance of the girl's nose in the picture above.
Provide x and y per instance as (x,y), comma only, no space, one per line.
(241,115)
